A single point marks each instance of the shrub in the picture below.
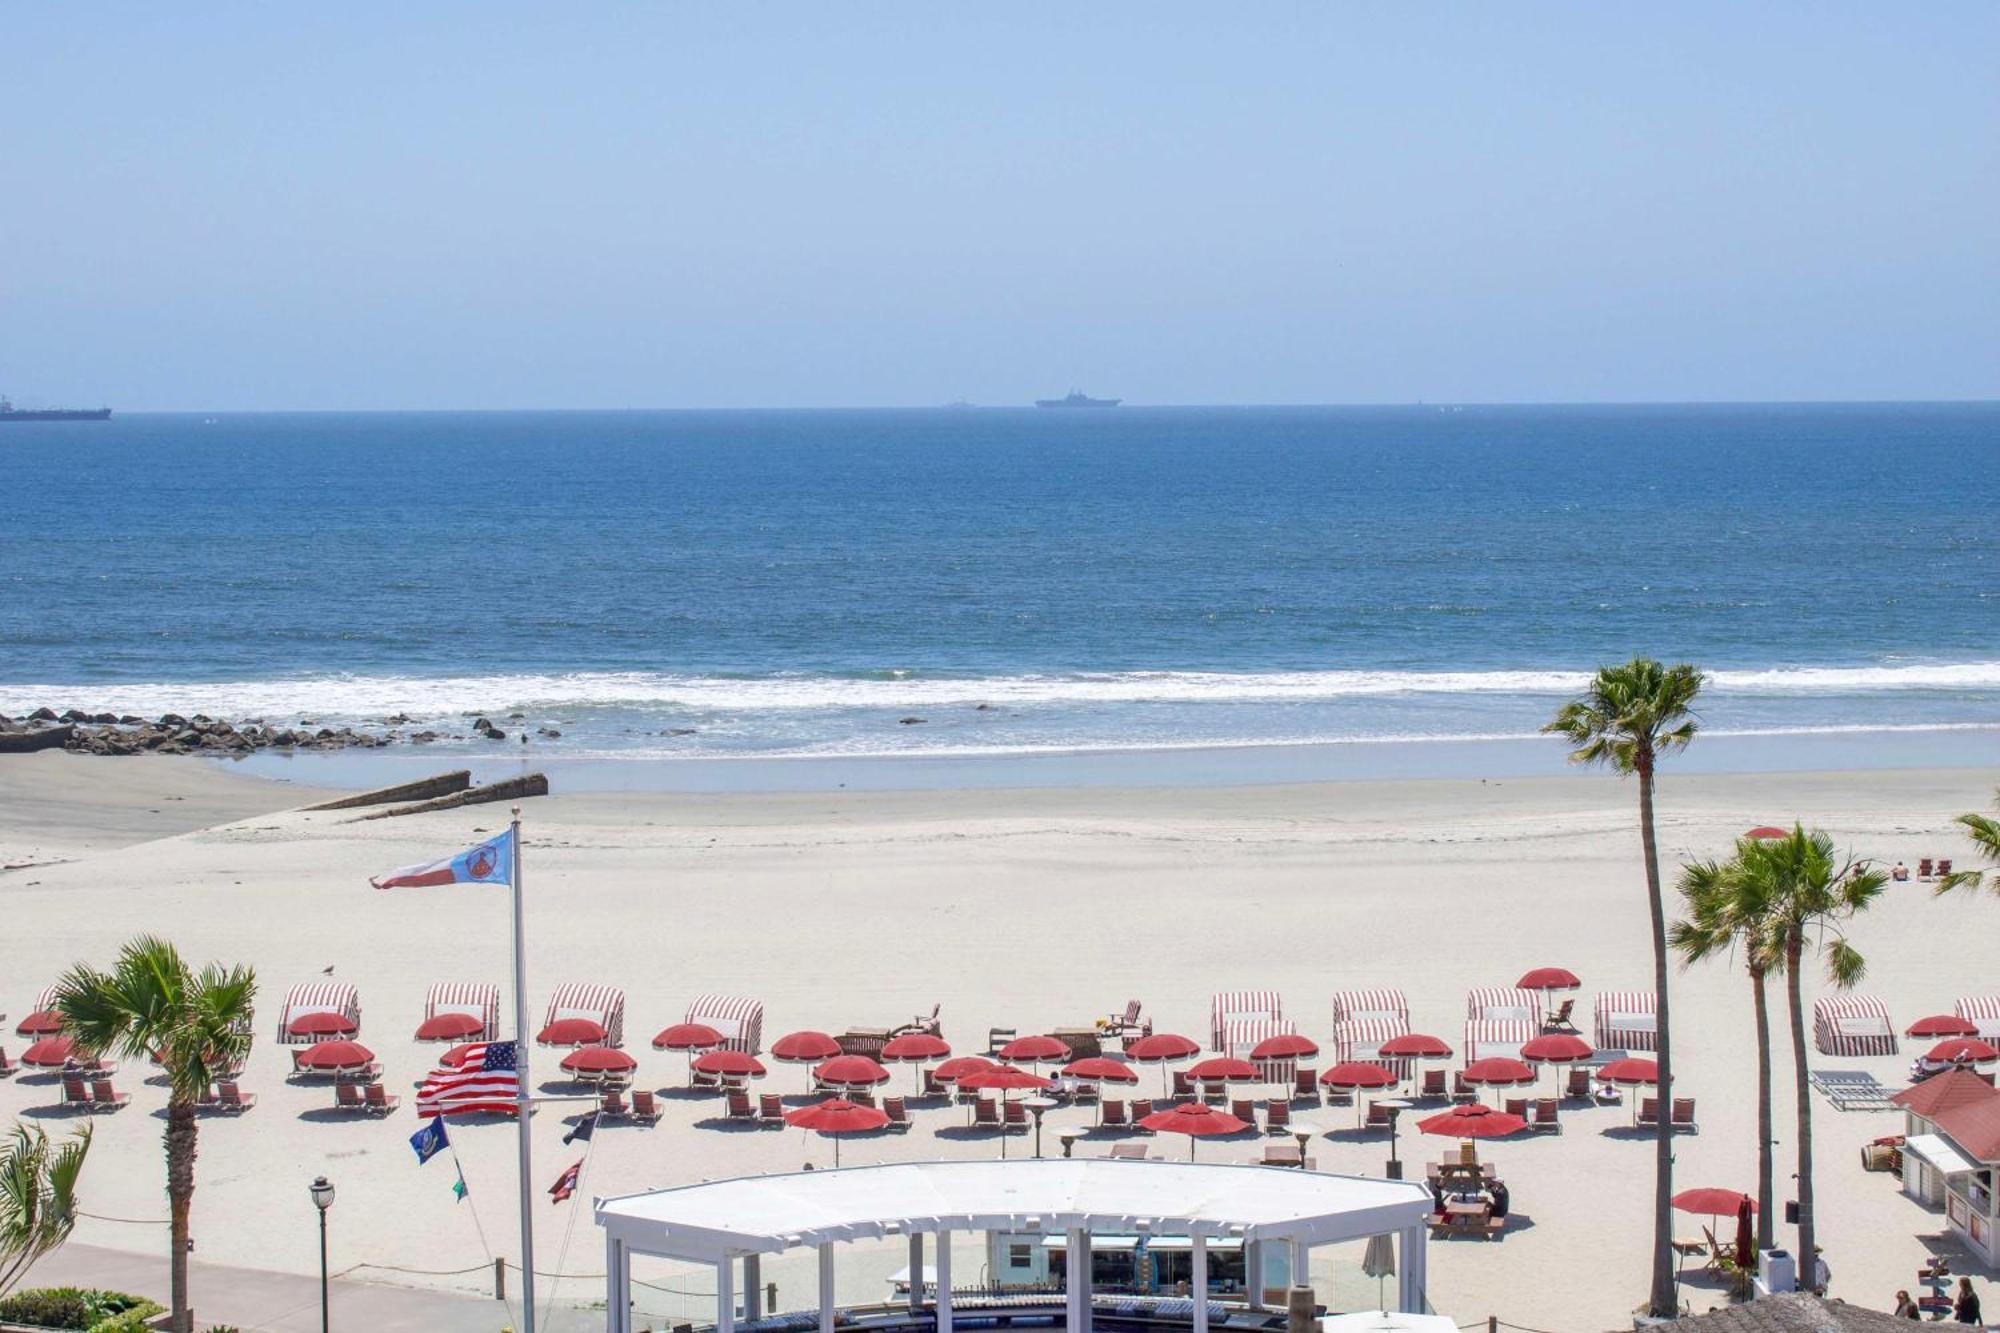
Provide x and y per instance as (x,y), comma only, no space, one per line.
(79,1308)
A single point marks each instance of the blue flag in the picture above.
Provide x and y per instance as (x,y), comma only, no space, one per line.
(430,1140)
(491,862)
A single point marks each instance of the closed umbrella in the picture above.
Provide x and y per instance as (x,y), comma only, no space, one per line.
(572,1032)
(1746,1243)
(450,1027)
(1379,1261)
(836,1117)
(1194,1119)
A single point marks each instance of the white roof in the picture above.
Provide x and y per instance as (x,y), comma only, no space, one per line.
(1940,1154)
(765,1214)
(1379,1321)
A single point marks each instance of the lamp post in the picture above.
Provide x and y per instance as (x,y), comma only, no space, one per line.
(1037,1106)
(322,1197)
(1395,1107)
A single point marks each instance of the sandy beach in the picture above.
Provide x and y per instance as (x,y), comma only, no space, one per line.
(1019,908)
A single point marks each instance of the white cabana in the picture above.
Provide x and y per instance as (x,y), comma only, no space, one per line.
(723,1222)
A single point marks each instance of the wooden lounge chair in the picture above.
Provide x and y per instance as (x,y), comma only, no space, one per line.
(378,1100)
(771,1110)
(104,1097)
(1244,1109)
(1683,1115)
(899,1115)
(1277,1117)
(229,1097)
(1718,1258)
(1649,1112)
(1560,1020)
(933,1088)
(1183,1085)
(1578,1088)
(985,1114)
(1517,1106)
(1305,1085)
(1434,1089)
(1461,1091)
(998,1037)
(739,1107)
(346,1096)
(646,1108)
(1141,1108)
(866,1099)
(611,1106)
(1545,1121)
(1923,867)
(1014,1116)
(1129,1152)
(1944,867)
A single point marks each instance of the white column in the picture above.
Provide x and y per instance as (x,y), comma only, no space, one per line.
(753,1272)
(725,1295)
(1076,1287)
(1301,1264)
(826,1287)
(1253,1273)
(1198,1281)
(1411,1281)
(943,1282)
(617,1289)
(916,1270)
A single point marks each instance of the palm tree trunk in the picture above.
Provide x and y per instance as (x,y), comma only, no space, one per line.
(180,1200)
(1661,1299)
(1767,1225)
(1808,1255)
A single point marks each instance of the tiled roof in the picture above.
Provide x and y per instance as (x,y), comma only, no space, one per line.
(1794,1312)
(1954,1087)
(1975,1128)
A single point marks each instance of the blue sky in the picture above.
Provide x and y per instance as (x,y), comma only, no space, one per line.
(495,205)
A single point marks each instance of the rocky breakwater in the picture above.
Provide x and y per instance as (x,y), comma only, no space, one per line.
(170,733)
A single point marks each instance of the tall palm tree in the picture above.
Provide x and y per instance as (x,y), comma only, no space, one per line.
(37,1197)
(1728,911)
(152,1005)
(1815,892)
(1626,720)
(1984,831)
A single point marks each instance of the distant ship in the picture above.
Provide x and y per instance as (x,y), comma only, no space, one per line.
(8,412)
(1077,398)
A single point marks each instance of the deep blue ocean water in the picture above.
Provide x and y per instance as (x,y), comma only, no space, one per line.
(798,582)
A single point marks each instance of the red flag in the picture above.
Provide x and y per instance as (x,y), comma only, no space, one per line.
(566,1182)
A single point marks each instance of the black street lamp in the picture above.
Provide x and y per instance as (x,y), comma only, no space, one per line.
(322,1197)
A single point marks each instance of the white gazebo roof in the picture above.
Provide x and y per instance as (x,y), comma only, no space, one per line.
(764,1214)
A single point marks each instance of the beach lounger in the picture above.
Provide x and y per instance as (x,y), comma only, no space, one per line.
(1649,1112)
(1434,1088)
(705,1081)
(1924,867)
(646,1108)
(346,1096)
(1014,1116)
(1378,1116)
(1277,1117)
(739,1107)
(1851,1090)
(1279,1154)
(74,1092)
(985,1114)
(1683,1115)
(1111,1113)
(899,1115)
(771,1110)
(1305,1085)
(1141,1108)
(1944,867)
(611,1106)
(104,1097)
(229,1097)
(1183,1085)
(1578,1089)
(1129,1152)
(1517,1106)
(933,1088)
(378,1100)
(1461,1091)
(1545,1120)
(1244,1109)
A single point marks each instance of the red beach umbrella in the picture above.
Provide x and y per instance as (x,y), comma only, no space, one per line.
(1285,1046)
(1194,1119)
(1548,978)
(1499,1071)
(1963,1050)
(322,1025)
(687,1037)
(916,1047)
(41,1023)
(1358,1074)
(49,1053)
(449,1027)
(729,1064)
(804,1048)
(1035,1049)
(572,1032)
(956,1068)
(1163,1046)
(850,1071)
(1223,1069)
(1473,1120)
(1630,1070)
(1708,1201)
(1942,1025)
(598,1060)
(1766,833)
(1557,1048)
(1004,1077)
(334,1057)
(455,1057)
(1100,1069)
(1416,1046)
(836,1117)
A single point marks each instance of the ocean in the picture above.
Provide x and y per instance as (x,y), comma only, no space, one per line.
(684,585)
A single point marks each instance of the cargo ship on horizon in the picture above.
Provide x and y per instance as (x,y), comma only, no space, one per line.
(1077,398)
(9,412)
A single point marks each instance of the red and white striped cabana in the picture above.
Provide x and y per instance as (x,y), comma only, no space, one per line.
(1360,1040)
(1486,1038)
(1240,1004)
(1503,1003)
(1982,1011)
(738,1018)
(316,997)
(1627,1020)
(1241,1035)
(481,999)
(603,1005)
(1387,1003)
(1853,1025)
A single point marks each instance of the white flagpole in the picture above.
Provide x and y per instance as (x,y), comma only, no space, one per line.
(523,1102)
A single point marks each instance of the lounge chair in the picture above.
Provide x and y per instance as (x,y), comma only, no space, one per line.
(1277,1117)
(998,1037)
(74,1092)
(104,1097)
(933,1088)
(1244,1109)
(1924,868)
(1649,1112)
(1468,1153)
(378,1100)
(1578,1089)
(229,1097)
(1129,1152)
(1944,867)
(1434,1088)
(646,1108)
(1014,1116)
(1305,1085)
(1560,1020)
(1183,1085)
(1683,1115)
(899,1115)
(1461,1091)
(1141,1108)
(1718,1258)
(1279,1154)
(347,1096)
(986,1114)
(611,1106)
(705,1081)
(1378,1116)
(739,1107)
(770,1109)
(7,1065)
(1517,1106)
(1545,1119)
(866,1099)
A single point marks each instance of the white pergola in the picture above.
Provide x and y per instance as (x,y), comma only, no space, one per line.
(723,1222)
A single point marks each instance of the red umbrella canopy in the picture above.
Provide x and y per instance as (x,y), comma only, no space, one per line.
(1285,1046)
(1101,1069)
(1416,1045)
(1632,1069)
(1708,1201)
(1765,832)
(687,1037)
(598,1060)
(916,1047)
(455,1057)
(1942,1025)
(1223,1069)
(41,1023)
(853,1071)
(1163,1046)
(1473,1120)
(1963,1049)
(571,1032)
(322,1025)
(835,1116)
(1358,1074)
(1004,1077)
(952,1070)
(804,1048)
(49,1053)
(449,1027)
(1499,1071)
(729,1064)
(1557,1048)
(1196,1118)
(1035,1048)
(1548,978)
(328,1055)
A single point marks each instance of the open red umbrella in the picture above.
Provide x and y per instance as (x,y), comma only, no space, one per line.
(1547,979)
(1942,1025)
(804,1048)
(1358,1074)
(1285,1046)
(1766,833)
(1473,1120)
(956,1068)
(1963,1050)
(334,1057)
(1709,1201)
(572,1032)
(49,1053)
(1631,1070)
(1499,1071)
(687,1037)
(1100,1069)
(1004,1077)
(836,1117)
(1035,1049)
(1223,1069)
(1162,1046)
(1194,1119)
(1416,1046)
(1557,1048)
(449,1027)
(455,1057)
(41,1023)
(322,1024)
(850,1071)
(916,1047)
(728,1064)
(598,1060)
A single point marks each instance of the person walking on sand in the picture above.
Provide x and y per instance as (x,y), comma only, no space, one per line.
(1965,1309)
(1905,1307)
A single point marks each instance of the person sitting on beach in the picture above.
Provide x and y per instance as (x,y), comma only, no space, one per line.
(1899,872)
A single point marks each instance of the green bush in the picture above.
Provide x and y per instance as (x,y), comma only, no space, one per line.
(79,1308)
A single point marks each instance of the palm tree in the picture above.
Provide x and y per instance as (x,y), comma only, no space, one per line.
(152,1005)
(37,1198)
(1814,894)
(1984,831)
(1728,908)
(1628,717)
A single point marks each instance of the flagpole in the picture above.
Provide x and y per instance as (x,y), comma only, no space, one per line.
(523,1104)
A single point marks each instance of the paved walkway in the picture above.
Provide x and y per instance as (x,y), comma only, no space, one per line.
(287,1303)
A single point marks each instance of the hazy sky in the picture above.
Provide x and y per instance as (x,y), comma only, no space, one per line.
(496,205)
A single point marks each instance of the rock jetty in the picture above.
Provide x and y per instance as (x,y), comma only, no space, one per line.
(170,733)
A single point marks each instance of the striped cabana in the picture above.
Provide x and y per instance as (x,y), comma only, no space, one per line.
(46,1000)
(738,1018)
(1503,1003)
(1983,1011)
(1627,1020)
(1853,1025)
(1486,1038)
(1241,1035)
(1240,1004)
(317,997)
(605,1005)
(481,999)
(1361,1039)
(1385,1003)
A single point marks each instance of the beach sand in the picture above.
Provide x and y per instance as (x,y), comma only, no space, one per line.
(1022,909)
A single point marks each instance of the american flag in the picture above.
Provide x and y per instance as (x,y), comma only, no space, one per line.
(487,1079)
